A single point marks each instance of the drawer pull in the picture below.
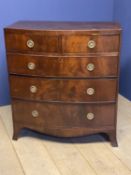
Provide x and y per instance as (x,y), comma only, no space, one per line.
(90,91)
(91,44)
(33,89)
(35,113)
(31,66)
(90,67)
(90,116)
(30,44)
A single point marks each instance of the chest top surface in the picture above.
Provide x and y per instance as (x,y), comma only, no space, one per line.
(64,26)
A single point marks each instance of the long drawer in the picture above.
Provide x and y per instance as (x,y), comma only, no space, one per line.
(54,115)
(66,90)
(46,66)
(72,43)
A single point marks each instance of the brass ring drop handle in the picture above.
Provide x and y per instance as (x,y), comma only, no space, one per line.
(30,44)
(90,91)
(33,89)
(90,67)
(90,116)
(35,113)
(91,44)
(31,66)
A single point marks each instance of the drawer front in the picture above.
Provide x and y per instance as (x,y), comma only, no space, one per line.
(31,43)
(54,115)
(63,66)
(91,44)
(72,90)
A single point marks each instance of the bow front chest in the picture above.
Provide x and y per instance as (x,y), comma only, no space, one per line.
(64,77)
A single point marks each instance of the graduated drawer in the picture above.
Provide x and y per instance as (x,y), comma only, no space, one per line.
(91,43)
(63,66)
(31,42)
(54,115)
(66,90)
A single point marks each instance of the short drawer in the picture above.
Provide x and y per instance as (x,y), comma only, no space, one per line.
(63,66)
(28,42)
(66,90)
(91,44)
(55,115)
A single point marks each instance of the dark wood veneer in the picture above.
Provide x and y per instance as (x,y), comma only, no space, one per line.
(78,44)
(71,67)
(41,43)
(61,54)
(63,90)
(54,115)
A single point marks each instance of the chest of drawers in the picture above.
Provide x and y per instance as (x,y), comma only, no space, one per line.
(64,77)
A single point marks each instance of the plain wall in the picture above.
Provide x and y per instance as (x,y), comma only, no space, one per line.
(122,13)
(66,10)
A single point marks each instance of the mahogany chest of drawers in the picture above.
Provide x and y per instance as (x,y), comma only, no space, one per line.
(64,77)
